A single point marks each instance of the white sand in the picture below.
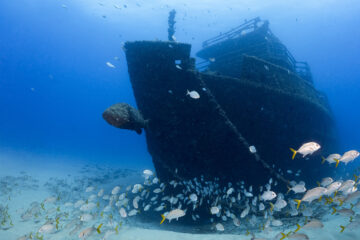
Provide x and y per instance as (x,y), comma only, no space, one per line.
(19,203)
(21,200)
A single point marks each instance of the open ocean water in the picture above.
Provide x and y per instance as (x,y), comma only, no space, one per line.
(66,173)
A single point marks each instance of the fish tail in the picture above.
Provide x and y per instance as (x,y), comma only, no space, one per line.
(298,227)
(342,228)
(356,177)
(98,228)
(298,203)
(271,207)
(341,202)
(334,211)
(352,206)
(337,162)
(163,218)
(283,236)
(318,183)
(323,160)
(289,189)
(294,153)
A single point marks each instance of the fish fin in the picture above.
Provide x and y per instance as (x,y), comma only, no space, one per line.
(298,203)
(335,193)
(294,153)
(334,211)
(187,92)
(163,218)
(323,160)
(98,228)
(298,227)
(283,236)
(337,162)
(342,228)
(320,198)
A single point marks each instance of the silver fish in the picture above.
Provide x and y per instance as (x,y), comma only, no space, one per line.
(306,149)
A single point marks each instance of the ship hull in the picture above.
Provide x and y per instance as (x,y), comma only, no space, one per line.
(269,108)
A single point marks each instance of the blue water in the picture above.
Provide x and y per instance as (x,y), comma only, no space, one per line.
(55,84)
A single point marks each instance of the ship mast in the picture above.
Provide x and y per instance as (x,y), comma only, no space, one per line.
(171,22)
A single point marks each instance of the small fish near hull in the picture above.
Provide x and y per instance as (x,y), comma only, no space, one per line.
(210,135)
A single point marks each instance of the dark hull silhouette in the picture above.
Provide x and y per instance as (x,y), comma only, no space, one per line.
(266,105)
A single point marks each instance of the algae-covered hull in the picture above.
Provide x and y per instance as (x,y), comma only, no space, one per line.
(268,107)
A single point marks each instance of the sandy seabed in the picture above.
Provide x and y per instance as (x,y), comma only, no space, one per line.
(22,198)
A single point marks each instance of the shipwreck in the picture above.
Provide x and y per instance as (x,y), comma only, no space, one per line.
(252,93)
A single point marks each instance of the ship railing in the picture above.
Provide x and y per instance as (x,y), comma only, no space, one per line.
(278,53)
(303,70)
(231,56)
(278,50)
(202,65)
(246,27)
